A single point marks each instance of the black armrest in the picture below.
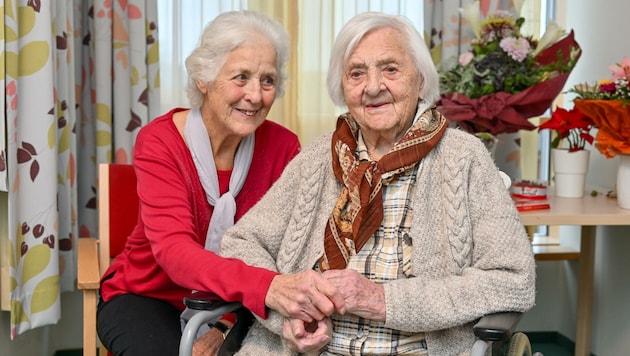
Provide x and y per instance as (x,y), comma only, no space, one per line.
(203,301)
(497,326)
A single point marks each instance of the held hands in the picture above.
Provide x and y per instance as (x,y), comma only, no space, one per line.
(306,296)
(306,337)
(362,297)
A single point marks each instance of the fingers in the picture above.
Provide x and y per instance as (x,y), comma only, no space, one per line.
(298,328)
(306,296)
(327,298)
(310,337)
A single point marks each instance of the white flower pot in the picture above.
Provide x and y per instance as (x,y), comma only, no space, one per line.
(570,170)
(623,182)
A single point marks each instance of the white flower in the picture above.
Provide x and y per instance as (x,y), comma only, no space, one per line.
(472,14)
(552,34)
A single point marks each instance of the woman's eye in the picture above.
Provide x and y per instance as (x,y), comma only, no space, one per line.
(268,82)
(240,77)
(355,74)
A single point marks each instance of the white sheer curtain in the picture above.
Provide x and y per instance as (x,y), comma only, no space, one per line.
(181,23)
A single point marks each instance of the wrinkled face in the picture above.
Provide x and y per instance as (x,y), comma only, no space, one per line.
(381,85)
(240,98)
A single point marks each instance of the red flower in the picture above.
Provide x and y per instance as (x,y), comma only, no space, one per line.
(571,125)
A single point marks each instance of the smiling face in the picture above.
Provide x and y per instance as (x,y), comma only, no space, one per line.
(240,98)
(381,87)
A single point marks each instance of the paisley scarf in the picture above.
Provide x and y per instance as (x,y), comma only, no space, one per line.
(359,209)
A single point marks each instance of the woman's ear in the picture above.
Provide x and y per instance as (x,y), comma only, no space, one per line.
(201,86)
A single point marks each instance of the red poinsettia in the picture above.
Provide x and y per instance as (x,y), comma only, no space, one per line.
(570,125)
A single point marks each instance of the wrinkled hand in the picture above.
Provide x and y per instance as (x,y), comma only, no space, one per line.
(362,297)
(306,337)
(306,296)
(209,343)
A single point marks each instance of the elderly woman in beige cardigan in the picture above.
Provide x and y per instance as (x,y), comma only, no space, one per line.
(409,219)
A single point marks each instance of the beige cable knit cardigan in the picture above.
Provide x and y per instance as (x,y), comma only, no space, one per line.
(471,255)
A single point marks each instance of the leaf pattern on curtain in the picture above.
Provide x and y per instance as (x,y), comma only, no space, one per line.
(119,88)
(86,76)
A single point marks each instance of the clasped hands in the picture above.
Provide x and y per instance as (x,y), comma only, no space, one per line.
(308,299)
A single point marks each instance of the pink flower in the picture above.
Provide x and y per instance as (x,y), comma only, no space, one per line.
(607,86)
(517,48)
(621,70)
(465,58)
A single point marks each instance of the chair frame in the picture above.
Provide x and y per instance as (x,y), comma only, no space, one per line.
(94,256)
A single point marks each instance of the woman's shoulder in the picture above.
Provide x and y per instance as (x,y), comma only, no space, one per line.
(459,142)
(161,124)
(320,145)
(161,131)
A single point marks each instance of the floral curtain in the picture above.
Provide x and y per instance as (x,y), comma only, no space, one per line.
(85,73)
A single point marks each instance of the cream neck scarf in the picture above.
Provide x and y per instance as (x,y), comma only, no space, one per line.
(200,147)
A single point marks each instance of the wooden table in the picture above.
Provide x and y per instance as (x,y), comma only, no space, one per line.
(588,212)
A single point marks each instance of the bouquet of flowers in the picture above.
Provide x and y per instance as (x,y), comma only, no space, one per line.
(507,77)
(607,104)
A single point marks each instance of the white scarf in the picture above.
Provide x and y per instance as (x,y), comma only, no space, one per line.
(196,136)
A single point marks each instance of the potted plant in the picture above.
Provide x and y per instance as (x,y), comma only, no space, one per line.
(568,153)
(607,104)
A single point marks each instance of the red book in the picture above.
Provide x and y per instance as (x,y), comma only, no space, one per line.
(530,204)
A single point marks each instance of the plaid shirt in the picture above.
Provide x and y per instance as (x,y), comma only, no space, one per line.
(386,256)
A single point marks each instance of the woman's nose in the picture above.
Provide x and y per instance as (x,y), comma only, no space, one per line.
(253,91)
(374,83)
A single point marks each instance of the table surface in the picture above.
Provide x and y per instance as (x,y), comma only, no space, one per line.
(599,210)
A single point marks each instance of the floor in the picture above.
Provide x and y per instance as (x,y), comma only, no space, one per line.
(551,343)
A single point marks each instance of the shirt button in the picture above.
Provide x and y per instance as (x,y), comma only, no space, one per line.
(359,334)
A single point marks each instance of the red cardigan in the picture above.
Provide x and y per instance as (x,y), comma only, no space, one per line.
(164,256)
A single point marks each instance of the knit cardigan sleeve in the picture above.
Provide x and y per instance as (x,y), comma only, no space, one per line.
(471,253)
(284,231)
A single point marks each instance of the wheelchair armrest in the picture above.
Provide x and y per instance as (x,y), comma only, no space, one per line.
(211,309)
(497,326)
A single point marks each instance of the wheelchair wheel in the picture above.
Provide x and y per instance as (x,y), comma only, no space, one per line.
(519,345)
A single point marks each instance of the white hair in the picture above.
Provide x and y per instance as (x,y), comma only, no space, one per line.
(223,35)
(352,33)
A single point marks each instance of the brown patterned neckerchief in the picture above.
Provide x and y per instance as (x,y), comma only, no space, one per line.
(359,210)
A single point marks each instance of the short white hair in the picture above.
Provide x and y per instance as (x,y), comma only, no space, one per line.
(223,35)
(359,26)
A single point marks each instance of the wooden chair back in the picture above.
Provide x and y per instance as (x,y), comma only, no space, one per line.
(117,215)
(117,209)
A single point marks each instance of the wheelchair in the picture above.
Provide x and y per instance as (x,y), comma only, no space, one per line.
(495,332)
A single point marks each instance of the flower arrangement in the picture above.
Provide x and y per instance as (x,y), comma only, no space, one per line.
(570,125)
(607,104)
(506,77)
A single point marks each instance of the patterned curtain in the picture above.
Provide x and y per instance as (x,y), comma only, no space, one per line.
(85,73)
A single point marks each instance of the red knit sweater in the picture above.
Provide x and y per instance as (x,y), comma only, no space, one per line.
(164,256)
